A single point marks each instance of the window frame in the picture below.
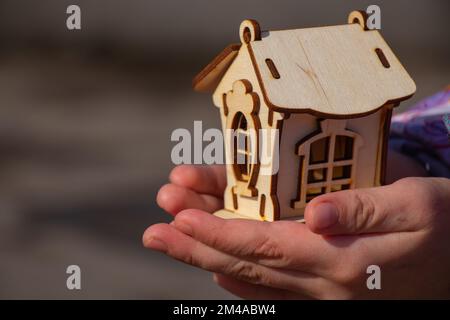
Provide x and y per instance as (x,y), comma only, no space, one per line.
(328,129)
(248,152)
(245,181)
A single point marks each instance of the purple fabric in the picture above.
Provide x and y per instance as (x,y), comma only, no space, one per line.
(421,133)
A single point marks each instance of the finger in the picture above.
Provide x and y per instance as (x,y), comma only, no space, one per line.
(401,206)
(281,244)
(251,291)
(167,239)
(209,179)
(173,199)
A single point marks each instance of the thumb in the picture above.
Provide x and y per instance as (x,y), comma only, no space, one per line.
(401,206)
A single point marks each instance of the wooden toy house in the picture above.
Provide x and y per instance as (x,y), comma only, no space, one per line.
(326,94)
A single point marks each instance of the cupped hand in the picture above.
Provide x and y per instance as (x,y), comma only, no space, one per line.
(402,228)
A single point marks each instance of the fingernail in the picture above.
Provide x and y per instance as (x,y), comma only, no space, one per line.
(183,227)
(156,244)
(325,215)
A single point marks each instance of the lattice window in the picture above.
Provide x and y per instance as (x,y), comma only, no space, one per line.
(328,160)
(243,154)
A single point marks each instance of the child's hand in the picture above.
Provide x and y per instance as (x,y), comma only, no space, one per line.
(193,187)
(402,227)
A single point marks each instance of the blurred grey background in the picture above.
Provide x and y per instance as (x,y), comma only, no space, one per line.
(86,118)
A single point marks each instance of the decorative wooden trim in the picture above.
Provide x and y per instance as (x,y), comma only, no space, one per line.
(226,57)
(274,178)
(249,31)
(262,206)
(358,17)
(241,100)
(224,104)
(329,129)
(270,118)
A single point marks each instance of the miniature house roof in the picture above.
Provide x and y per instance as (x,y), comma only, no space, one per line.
(340,70)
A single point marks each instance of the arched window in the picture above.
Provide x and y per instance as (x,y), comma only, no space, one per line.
(242,105)
(243,148)
(327,161)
